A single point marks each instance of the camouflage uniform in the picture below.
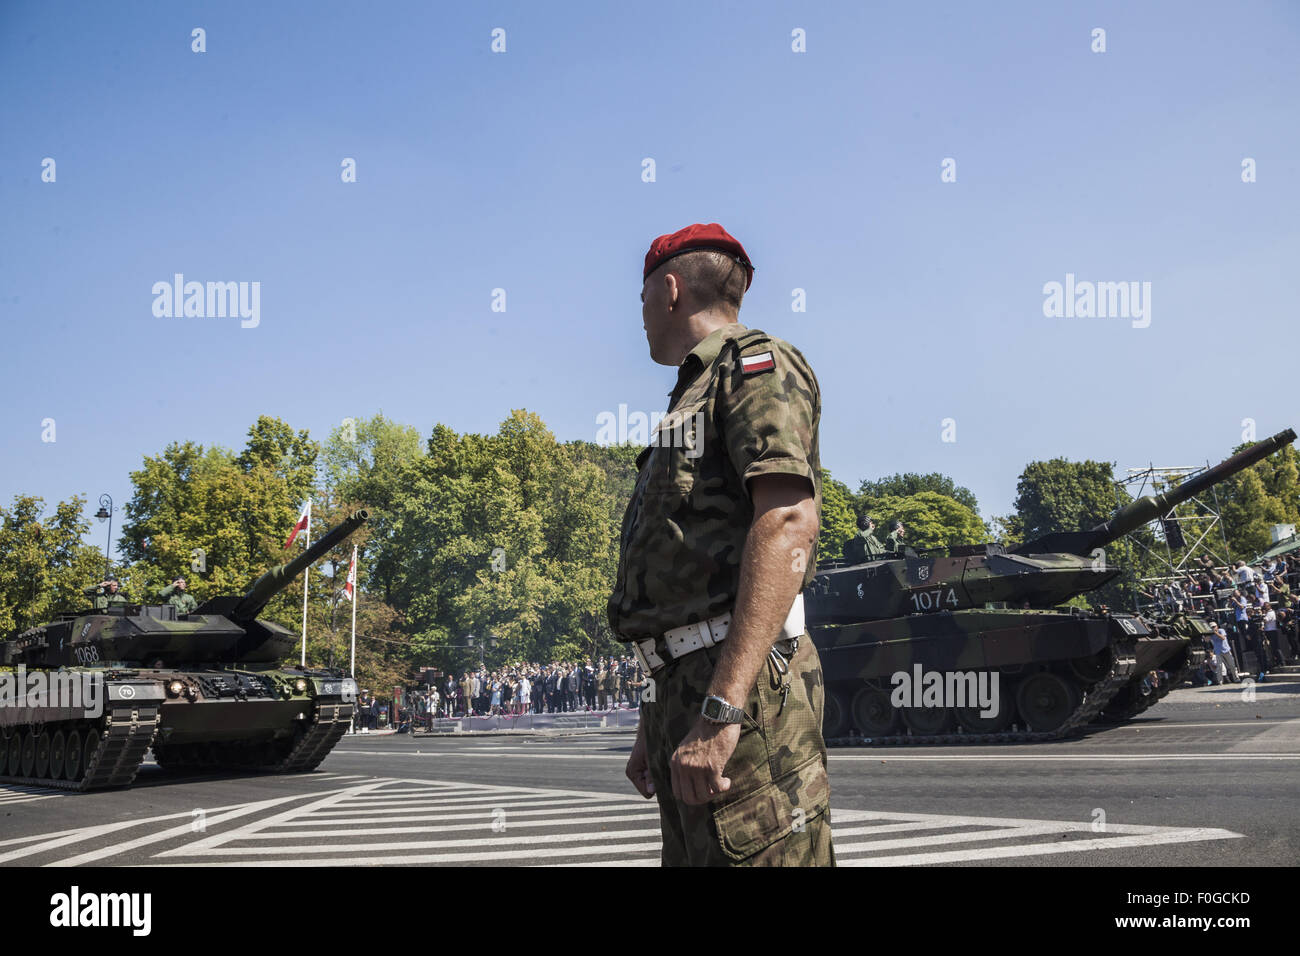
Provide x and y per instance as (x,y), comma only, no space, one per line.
(103,598)
(864,546)
(681,544)
(183,601)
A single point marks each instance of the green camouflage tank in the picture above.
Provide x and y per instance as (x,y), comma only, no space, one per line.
(83,698)
(915,648)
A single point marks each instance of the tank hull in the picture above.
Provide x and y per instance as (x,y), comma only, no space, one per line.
(1052,672)
(212,718)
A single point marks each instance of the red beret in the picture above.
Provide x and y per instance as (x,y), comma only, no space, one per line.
(697,236)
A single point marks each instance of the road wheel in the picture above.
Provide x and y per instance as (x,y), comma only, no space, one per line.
(973,722)
(835,715)
(89,745)
(15,751)
(1046,701)
(42,766)
(29,753)
(927,721)
(873,714)
(72,764)
(58,747)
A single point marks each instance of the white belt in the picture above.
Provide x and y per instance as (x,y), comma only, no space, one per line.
(689,638)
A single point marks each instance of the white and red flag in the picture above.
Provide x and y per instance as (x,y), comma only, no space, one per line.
(350,587)
(304,522)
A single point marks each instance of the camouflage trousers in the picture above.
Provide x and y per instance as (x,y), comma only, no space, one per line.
(777,812)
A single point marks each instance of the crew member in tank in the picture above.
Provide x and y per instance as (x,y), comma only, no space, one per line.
(107,593)
(894,543)
(176,595)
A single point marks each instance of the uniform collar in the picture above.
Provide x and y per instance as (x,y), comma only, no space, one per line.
(706,351)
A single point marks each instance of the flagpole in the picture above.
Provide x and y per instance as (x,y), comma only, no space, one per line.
(353,670)
(305,575)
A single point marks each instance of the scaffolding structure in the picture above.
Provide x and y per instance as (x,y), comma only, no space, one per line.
(1201,510)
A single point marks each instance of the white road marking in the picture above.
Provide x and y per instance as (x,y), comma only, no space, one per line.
(887,754)
(547,826)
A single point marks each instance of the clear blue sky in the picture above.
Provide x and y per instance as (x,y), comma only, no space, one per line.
(522,171)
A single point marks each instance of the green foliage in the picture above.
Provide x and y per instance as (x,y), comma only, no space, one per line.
(906,485)
(1252,501)
(1061,495)
(511,537)
(931,519)
(217,518)
(839,522)
(43,564)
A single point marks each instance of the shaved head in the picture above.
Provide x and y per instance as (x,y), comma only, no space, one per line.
(713,278)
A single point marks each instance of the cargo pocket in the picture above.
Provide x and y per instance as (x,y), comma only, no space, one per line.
(755,822)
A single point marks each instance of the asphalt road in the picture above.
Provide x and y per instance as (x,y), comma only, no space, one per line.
(1205,778)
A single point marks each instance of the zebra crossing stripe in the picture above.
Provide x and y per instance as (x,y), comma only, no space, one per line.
(385,821)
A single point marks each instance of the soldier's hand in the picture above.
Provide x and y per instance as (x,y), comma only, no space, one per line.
(638,767)
(699,760)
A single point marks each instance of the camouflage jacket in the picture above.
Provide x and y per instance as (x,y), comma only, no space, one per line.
(183,601)
(103,598)
(864,546)
(745,404)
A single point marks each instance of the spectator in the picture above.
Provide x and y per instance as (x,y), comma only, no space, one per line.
(1227,666)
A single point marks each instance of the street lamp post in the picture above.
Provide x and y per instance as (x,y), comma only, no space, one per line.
(106,512)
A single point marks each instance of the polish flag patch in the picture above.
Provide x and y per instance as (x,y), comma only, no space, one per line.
(762,362)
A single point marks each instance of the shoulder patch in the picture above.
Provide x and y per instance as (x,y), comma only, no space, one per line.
(759,362)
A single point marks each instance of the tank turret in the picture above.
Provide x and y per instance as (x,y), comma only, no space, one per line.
(1041,573)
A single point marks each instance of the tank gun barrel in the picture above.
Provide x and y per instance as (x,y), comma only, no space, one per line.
(279,577)
(1150,507)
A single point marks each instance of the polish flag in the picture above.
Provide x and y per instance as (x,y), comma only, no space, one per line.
(351,586)
(304,521)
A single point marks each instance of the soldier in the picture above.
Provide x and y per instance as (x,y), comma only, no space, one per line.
(716,544)
(176,595)
(864,546)
(106,594)
(894,543)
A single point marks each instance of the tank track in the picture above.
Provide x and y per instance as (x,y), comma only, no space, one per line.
(329,723)
(1095,697)
(327,728)
(1192,659)
(125,733)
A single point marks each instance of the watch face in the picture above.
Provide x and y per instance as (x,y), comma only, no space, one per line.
(712,708)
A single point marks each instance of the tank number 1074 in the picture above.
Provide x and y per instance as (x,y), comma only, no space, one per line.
(934,600)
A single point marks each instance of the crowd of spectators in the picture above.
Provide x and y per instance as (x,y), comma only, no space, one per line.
(516,689)
(1253,609)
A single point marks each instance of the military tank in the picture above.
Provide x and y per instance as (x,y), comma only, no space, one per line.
(989,616)
(206,690)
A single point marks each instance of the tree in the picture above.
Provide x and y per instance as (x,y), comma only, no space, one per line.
(906,485)
(217,518)
(1253,500)
(932,520)
(838,521)
(1061,495)
(43,564)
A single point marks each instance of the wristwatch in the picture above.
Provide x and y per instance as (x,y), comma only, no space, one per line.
(717,711)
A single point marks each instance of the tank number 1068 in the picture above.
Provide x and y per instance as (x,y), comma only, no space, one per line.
(934,600)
